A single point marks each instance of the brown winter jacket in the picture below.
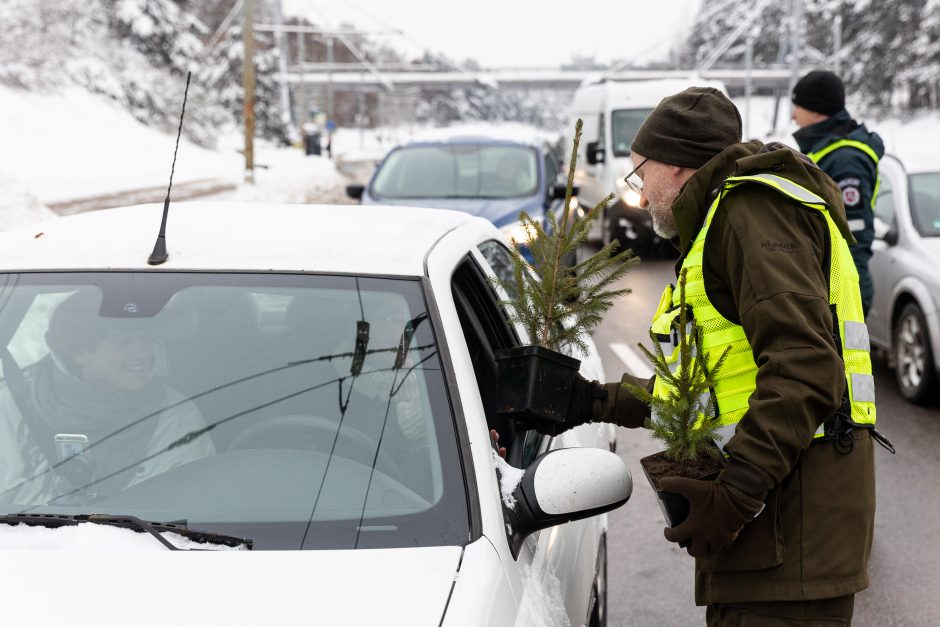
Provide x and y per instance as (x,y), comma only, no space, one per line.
(765,266)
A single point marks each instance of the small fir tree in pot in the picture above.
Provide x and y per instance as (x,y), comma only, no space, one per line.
(559,301)
(677,420)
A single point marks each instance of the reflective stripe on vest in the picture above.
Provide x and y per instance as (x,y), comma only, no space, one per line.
(735,381)
(817,156)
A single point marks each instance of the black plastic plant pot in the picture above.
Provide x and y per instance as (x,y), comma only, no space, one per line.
(534,383)
(675,507)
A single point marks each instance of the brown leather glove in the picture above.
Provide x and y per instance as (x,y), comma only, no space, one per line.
(717,513)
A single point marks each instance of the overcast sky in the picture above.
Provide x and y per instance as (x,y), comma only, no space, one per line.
(514,33)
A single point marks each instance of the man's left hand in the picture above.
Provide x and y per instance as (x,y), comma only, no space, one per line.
(717,513)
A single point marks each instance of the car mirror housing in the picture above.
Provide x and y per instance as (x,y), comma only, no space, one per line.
(891,236)
(595,154)
(355,191)
(564,485)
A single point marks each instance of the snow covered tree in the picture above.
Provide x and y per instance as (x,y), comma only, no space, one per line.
(222,71)
(889,53)
(167,34)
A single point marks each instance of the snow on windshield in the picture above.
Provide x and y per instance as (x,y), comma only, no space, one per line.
(89,536)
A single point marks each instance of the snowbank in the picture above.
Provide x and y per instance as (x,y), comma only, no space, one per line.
(18,206)
(73,144)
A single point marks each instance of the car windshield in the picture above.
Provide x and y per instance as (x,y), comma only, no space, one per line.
(301,411)
(624,125)
(458,171)
(925,203)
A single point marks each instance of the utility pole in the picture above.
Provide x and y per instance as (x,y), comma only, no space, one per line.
(329,78)
(796,40)
(248,69)
(280,40)
(837,42)
(302,53)
(748,76)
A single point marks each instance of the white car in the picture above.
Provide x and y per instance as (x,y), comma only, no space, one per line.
(313,383)
(904,320)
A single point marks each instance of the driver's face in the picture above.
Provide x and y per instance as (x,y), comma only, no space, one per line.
(123,362)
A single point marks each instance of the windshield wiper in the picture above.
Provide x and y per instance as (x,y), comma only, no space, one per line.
(54,521)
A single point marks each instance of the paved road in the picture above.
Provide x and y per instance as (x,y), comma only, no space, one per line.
(651,579)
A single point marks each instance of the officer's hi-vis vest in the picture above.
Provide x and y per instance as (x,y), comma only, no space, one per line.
(735,381)
(817,156)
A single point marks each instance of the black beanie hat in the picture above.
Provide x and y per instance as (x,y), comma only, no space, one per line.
(820,91)
(689,128)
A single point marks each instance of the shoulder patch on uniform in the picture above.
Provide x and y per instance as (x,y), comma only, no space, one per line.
(851,196)
(849,182)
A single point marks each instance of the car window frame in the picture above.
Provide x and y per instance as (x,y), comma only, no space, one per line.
(534,442)
(883,195)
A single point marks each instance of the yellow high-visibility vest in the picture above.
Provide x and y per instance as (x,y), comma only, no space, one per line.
(817,156)
(735,381)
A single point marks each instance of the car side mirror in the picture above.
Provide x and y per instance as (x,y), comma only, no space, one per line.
(891,237)
(564,485)
(888,233)
(557,192)
(355,191)
(595,153)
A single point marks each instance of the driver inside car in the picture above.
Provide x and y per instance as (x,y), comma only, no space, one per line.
(91,417)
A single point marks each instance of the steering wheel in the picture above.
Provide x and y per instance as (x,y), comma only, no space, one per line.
(312,432)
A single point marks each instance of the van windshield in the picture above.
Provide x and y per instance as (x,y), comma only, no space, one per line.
(624,125)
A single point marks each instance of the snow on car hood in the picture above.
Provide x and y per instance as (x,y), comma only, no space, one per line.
(499,211)
(120,579)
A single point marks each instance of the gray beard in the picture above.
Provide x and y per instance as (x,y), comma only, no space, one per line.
(660,227)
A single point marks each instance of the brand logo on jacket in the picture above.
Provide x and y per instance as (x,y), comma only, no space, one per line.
(784,247)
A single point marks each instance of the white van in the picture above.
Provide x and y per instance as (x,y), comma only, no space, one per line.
(612,112)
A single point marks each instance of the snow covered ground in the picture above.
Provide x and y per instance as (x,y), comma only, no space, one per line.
(71,145)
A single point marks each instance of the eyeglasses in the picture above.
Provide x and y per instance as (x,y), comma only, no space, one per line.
(634,182)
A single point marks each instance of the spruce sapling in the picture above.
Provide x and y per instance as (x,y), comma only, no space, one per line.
(675,419)
(559,303)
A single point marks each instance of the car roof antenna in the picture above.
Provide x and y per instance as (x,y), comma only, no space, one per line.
(159,254)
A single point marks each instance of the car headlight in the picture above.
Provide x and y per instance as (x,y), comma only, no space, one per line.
(518,233)
(577,210)
(627,195)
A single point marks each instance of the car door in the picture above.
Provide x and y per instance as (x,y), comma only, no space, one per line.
(882,265)
(559,561)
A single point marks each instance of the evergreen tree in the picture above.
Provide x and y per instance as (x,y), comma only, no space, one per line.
(674,420)
(889,50)
(163,30)
(222,72)
(558,303)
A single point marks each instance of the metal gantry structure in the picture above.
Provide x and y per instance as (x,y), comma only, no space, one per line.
(368,76)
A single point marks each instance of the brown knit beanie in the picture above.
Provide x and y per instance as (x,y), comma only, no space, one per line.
(689,128)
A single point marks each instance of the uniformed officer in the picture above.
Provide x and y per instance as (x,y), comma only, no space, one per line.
(846,151)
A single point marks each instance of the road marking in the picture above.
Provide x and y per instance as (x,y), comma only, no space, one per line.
(636,365)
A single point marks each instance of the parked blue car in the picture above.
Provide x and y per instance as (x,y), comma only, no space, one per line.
(489,174)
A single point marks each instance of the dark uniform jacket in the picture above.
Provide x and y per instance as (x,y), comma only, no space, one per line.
(765,265)
(856,175)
